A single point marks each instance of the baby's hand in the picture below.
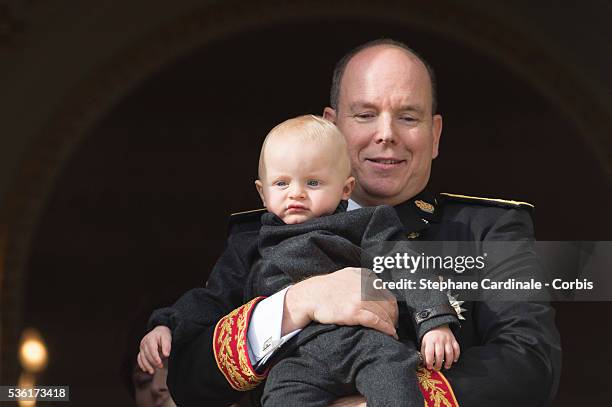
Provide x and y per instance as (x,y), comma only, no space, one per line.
(439,345)
(154,346)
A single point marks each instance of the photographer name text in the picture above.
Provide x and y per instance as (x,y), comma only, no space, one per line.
(484,284)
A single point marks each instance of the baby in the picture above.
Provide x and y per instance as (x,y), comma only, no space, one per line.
(304,182)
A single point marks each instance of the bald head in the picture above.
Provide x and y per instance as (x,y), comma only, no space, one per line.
(369,50)
(384,109)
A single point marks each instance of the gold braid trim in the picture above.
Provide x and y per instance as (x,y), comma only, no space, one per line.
(230,347)
(436,389)
(479,198)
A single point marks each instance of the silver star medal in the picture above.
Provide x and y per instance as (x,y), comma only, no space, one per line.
(456,304)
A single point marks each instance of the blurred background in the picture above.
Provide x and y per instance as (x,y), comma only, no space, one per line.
(129,131)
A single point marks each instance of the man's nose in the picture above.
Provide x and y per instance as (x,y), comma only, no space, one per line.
(385,133)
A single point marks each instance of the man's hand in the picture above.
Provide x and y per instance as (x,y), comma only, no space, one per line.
(439,345)
(335,298)
(154,346)
(351,401)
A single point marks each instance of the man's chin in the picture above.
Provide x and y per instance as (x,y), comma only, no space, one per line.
(378,194)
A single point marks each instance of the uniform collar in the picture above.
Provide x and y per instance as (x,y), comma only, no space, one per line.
(416,213)
(352,205)
(419,212)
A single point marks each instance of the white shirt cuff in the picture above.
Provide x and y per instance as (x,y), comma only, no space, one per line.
(263,337)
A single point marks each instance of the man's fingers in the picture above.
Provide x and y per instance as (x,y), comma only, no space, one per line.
(369,319)
(387,301)
(389,305)
(384,298)
(449,356)
(457,350)
(381,310)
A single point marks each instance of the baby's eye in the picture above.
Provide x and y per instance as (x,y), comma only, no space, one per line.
(280,184)
(313,183)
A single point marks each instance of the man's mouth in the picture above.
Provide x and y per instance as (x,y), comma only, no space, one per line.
(385,163)
(385,160)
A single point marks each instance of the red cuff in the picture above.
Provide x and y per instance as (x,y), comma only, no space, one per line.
(230,347)
(436,390)
(231,354)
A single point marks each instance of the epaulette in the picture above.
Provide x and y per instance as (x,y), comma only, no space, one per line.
(245,221)
(503,203)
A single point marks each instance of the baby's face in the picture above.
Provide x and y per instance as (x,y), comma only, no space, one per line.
(302,182)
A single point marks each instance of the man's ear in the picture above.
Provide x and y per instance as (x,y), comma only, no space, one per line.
(329,114)
(347,190)
(259,187)
(436,130)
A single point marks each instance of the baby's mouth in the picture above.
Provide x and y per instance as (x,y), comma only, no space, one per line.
(296,208)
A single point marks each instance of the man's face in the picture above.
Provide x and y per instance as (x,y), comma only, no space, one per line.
(384,111)
(302,181)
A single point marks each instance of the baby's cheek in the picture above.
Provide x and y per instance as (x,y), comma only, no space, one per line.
(276,207)
(328,204)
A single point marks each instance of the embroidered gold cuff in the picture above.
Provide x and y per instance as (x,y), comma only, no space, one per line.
(436,390)
(230,347)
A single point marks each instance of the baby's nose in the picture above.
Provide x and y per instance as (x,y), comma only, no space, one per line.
(297,192)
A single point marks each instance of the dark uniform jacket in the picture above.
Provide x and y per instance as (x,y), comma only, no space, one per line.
(510,351)
(292,253)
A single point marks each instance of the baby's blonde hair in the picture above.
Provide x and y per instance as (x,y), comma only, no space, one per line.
(310,128)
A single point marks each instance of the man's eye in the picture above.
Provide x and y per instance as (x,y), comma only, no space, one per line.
(313,183)
(364,116)
(407,119)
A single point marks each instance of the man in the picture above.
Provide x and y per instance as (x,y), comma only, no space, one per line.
(383,100)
